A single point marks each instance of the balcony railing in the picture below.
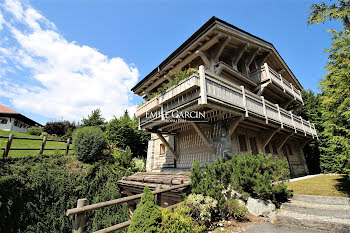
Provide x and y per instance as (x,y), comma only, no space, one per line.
(214,89)
(266,73)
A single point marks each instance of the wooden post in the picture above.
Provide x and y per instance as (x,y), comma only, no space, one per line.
(43,145)
(157,197)
(203,85)
(67,148)
(244,101)
(264,109)
(79,221)
(8,146)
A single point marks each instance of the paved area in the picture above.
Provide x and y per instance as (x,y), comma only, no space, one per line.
(306,213)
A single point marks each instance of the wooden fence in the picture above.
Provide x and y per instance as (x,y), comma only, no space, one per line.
(11,137)
(81,209)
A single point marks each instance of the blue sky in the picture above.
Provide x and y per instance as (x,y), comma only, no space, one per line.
(62,42)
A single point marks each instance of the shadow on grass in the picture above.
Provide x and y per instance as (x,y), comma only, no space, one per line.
(343,185)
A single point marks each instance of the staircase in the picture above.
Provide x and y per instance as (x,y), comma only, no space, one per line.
(316,213)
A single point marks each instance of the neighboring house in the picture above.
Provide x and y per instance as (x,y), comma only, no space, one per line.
(11,120)
(246,91)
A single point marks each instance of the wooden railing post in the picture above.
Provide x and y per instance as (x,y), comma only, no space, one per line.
(203,85)
(8,146)
(79,221)
(67,148)
(158,196)
(244,101)
(43,145)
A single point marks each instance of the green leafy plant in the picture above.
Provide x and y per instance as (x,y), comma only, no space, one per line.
(202,207)
(147,216)
(179,220)
(236,209)
(35,131)
(89,143)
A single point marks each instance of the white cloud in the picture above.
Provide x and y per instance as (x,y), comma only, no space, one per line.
(65,79)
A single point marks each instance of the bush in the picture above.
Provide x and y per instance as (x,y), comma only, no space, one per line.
(147,216)
(123,158)
(236,210)
(35,131)
(89,143)
(250,175)
(59,128)
(36,192)
(179,221)
(202,207)
(138,164)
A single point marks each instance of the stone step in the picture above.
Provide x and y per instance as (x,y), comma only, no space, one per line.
(326,223)
(345,214)
(324,206)
(322,199)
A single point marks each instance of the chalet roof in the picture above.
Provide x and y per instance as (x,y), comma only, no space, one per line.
(212,21)
(7,112)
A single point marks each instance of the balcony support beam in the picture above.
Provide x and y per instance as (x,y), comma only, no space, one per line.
(303,144)
(263,59)
(270,136)
(252,56)
(233,125)
(284,140)
(172,151)
(221,49)
(202,135)
(238,56)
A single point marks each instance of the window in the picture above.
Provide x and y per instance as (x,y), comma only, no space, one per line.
(253,146)
(242,143)
(267,148)
(162,149)
(274,148)
(3,121)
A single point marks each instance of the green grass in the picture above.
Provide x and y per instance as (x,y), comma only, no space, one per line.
(19,143)
(323,185)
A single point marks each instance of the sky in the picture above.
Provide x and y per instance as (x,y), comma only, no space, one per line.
(62,59)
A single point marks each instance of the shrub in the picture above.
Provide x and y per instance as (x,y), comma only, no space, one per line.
(202,207)
(36,192)
(235,209)
(59,128)
(147,216)
(250,175)
(89,143)
(122,158)
(35,131)
(179,221)
(138,164)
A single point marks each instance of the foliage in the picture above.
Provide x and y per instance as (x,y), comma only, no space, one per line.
(335,89)
(176,78)
(147,216)
(139,164)
(35,130)
(248,174)
(124,132)
(59,128)
(179,220)
(89,143)
(36,192)
(236,209)
(95,119)
(202,207)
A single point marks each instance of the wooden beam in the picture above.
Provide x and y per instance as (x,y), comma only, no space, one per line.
(250,59)
(284,140)
(202,135)
(270,136)
(233,126)
(262,61)
(285,106)
(172,151)
(239,55)
(221,49)
(205,59)
(303,144)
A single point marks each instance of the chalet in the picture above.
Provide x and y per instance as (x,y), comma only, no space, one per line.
(246,90)
(11,120)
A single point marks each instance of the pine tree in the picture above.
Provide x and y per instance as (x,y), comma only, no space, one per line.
(147,216)
(335,88)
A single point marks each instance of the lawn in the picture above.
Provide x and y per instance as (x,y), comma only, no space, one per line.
(29,144)
(323,185)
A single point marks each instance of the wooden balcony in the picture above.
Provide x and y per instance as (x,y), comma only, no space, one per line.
(205,90)
(266,75)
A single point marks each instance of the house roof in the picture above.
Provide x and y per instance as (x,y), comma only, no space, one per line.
(192,38)
(4,109)
(7,112)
